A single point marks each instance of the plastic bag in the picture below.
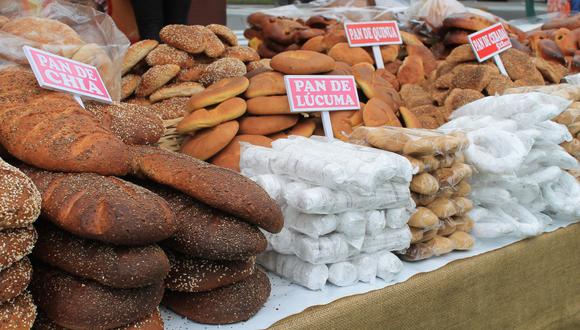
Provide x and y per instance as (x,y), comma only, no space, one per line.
(312,225)
(311,276)
(552,133)
(324,250)
(567,91)
(434,11)
(342,274)
(388,265)
(70,30)
(563,195)
(366,265)
(273,185)
(389,240)
(469,123)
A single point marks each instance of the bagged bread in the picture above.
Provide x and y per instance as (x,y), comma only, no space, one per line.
(313,277)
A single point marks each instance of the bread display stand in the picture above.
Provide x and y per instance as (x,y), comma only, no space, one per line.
(288,299)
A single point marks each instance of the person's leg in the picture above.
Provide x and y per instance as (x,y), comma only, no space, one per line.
(175,11)
(149,15)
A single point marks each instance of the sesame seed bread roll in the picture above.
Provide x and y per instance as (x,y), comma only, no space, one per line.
(155,78)
(189,38)
(137,52)
(19,199)
(15,279)
(113,266)
(176,90)
(18,313)
(16,244)
(165,54)
(221,69)
(129,84)
(230,304)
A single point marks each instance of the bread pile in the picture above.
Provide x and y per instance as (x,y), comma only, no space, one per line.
(440,186)
(19,208)
(345,208)
(190,58)
(97,264)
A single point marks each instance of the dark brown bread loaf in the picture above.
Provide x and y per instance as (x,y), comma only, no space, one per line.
(132,123)
(230,304)
(208,233)
(217,187)
(153,322)
(15,279)
(18,313)
(15,244)
(77,303)
(200,275)
(114,266)
(53,132)
(19,198)
(106,209)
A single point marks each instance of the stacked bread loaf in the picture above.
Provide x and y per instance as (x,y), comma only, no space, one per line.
(19,208)
(440,186)
(345,208)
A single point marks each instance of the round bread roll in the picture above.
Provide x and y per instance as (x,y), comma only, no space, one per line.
(153,322)
(193,73)
(213,45)
(467,21)
(341,69)
(257,67)
(225,34)
(18,313)
(221,69)
(269,105)
(136,53)
(266,84)
(341,126)
(16,244)
(304,128)
(234,303)
(114,266)
(456,37)
(83,304)
(242,53)
(202,118)
(15,279)
(230,156)
(129,84)
(208,142)
(302,62)
(176,90)
(19,199)
(201,275)
(424,184)
(171,108)
(203,231)
(423,218)
(155,78)
(218,92)
(314,44)
(264,125)
(165,54)
(342,52)
(189,38)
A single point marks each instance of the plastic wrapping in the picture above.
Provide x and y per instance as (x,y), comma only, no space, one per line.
(273,185)
(568,91)
(563,196)
(551,133)
(312,225)
(327,249)
(388,265)
(496,151)
(433,12)
(313,277)
(342,274)
(91,37)
(390,240)
(366,265)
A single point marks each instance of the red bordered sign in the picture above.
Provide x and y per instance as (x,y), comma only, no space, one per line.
(373,33)
(321,93)
(489,42)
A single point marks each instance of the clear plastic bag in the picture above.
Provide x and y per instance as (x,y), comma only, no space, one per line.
(342,274)
(470,123)
(568,91)
(311,276)
(389,240)
(388,265)
(324,250)
(433,12)
(552,133)
(312,225)
(66,29)
(563,196)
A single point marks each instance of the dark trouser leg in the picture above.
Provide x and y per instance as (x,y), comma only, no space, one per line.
(176,11)
(149,15)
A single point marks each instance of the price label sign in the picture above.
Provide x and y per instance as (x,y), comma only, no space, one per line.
(63,74)
(490,42)
(322,93)
(373,33)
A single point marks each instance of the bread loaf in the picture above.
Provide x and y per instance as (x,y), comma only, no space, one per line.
(113,266)
(19,199)
(423,218)
(302,62)
(230,304)
(201,275)
(61,136)
(16,244)
(83,304)
(266,84)
(107,209)
(14,280)
(425,184)
(446,227)
(386,139)
(208,142)
(441,245)
(218,92)
(202,118)
(462,240)
(264,125)
(443,207)
(18,313)
(342,52)
(269,105)
(203,230)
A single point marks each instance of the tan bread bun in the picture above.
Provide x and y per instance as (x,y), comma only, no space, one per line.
(189,38)
(390,53)
(378,113)
(266,84)
(269,105)
(446,227)
(136,53)
(221,69)
(424,184)
(19,199)
(264,125)
(129,84)
(48,34)
(202,275)
(443,208)
(467,21)
(416,164)
(341,69)
(427,58)
(456,37)
(14,280)
(191,74)
(176,90)
(242,53)
(431,163)
(462,240)
(423,218)
(412,71)
(230,156)
(16,244)
(202,118)
(95,306)
(155,78)
(341,127)
(225,34)
(212,185)
(304,128)
(165,54)
(18,313)
(314,44)
(386,139)
(428,235)
(342,52)
(234,303)
(218,92)
(460,54)
(453,175)
(208,142)
(416,235)
(432,145)
(302,62)
(463,205)
(464,223)
(114,266)
(418,251)
(463,189)
(441,245)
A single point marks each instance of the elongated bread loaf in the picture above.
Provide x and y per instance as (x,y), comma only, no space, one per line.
(107,209)
(217,187)
(19,198)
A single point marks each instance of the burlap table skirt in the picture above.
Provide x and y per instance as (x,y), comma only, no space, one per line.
(532,284)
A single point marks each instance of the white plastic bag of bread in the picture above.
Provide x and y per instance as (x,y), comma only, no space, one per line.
(71,30)
(520,181)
